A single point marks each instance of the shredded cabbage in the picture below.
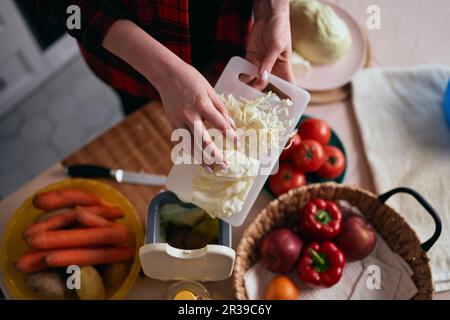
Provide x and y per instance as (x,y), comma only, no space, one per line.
(260,115)
(222,193)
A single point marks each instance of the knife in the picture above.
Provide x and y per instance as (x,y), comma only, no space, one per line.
(119,175)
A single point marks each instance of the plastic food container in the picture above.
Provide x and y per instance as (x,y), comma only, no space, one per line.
(160,260)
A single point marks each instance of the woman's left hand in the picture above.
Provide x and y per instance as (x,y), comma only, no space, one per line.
(269,44)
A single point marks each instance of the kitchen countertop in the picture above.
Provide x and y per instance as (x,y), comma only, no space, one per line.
(412,32)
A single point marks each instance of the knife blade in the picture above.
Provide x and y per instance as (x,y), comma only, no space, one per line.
(119,175)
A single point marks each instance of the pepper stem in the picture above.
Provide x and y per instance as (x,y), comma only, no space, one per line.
(323,216)
(318,260)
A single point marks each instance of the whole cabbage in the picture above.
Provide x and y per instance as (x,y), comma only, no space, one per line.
(318,34)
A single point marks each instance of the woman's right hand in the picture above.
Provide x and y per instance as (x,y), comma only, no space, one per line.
(189,99)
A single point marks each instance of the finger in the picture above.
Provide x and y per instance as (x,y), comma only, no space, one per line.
(268,62)
(260,82)
(220,106)
(207,168)
(217,154)
(202,140)
(218,121)
(190,145)
(188,120)
(283,69)
(220,113)
(289,74)
(254,57)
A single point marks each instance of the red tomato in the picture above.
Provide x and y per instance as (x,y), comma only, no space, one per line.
(315,129)
(286,179)
(308,156)
(293,141)
(334,164)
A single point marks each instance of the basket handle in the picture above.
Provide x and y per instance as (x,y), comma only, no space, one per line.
(426,246)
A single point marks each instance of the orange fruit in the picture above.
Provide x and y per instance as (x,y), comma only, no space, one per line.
(281,288)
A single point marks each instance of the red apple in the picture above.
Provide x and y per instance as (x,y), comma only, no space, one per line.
(357,238)
(280,250)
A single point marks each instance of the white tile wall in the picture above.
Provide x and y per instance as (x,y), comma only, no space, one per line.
(69,110)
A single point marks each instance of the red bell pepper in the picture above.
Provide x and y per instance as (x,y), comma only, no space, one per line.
(320,220)
(321,265)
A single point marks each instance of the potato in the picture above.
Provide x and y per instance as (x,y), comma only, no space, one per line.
(115,273)
(91,284)
(49,284)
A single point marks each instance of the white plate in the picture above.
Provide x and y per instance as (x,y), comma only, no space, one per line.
(332,76)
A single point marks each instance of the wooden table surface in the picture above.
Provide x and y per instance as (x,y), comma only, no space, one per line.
(141,142)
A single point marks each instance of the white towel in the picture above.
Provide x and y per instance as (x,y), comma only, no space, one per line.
(407,143)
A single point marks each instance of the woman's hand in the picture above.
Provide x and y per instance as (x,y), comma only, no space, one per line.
(189,101)
(187,97)
(269,45)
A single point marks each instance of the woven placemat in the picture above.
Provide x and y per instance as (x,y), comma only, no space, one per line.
(140,142)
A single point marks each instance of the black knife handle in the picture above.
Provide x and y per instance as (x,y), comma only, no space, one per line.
(88,171)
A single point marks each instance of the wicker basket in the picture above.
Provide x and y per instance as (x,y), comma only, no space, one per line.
(388,223)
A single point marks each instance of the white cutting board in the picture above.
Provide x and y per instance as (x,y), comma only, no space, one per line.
(181,176)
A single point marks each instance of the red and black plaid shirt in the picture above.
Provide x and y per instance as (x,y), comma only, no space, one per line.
(165,20)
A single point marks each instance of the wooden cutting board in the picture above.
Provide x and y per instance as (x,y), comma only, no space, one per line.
(140,142)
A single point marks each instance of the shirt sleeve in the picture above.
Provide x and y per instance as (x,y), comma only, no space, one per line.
(95,18)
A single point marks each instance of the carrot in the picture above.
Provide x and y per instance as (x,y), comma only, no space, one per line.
(63,198)
(73,238)
(90,219)
(59,221)
(77,225)
(88,256)
(107,212)
(32,261)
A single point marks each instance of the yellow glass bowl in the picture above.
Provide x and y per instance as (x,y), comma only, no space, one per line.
(14,246)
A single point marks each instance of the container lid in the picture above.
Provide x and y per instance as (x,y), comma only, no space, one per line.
(164,262)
